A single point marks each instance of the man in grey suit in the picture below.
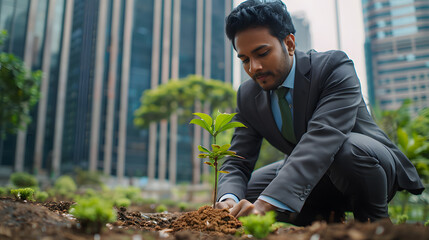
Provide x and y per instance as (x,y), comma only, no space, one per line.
(310,107)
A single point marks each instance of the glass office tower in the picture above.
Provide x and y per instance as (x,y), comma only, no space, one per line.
(397,52)
(98,57)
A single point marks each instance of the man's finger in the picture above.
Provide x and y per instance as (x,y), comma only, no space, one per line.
(246,210)
(228,203)
(243,208)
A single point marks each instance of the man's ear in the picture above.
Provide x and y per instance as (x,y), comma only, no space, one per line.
(289,42)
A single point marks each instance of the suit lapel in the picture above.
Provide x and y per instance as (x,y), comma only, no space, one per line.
(300,93)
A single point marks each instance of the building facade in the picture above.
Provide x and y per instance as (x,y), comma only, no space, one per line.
(97,58)
(397,52)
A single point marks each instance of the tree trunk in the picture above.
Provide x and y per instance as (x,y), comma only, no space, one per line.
(1,143)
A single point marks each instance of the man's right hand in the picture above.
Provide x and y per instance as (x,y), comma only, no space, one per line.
(228,203)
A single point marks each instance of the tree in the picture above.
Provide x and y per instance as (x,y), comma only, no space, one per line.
(180,97)
(391,120)
(414,146)
(19,90)
(420,124)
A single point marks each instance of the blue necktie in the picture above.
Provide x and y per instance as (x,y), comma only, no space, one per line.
(287,121)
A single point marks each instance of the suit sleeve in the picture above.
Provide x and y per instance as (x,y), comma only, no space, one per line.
(246,142)
(328,128)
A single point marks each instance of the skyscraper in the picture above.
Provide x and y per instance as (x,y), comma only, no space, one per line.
(302,35)
(98,57)
(397,52)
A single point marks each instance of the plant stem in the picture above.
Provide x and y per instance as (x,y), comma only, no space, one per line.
(215,186)
(215,167)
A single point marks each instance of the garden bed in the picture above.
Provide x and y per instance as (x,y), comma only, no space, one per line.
(27,220)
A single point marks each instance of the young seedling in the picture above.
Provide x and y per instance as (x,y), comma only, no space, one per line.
(220,124)
(23,193)
(93,213)
(259,226)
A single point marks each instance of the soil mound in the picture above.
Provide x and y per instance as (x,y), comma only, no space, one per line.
(207,219)
(59,207)
(20,219)
(144,221)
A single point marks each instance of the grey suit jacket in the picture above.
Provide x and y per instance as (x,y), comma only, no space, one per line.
(328,105)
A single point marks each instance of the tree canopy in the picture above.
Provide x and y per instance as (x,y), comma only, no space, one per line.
(19,90)
(180,96)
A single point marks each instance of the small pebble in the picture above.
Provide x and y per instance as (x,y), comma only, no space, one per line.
(315,237)
(136,237)
(379,230)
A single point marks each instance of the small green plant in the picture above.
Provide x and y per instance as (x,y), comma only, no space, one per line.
(122,202)
(402,219)
(259,226)
(132,193)
(23,180)
(89,192)
(65,186)
(41,196)
(161,208)
(3,191)
(183,206)
(88,178)
(93,213)
(221,123)
(23,193)
(427,223)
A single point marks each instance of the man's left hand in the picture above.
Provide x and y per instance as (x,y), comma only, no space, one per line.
(244,208)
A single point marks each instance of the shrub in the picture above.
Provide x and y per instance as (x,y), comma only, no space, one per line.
(3,191)
(132,193)
(183,206)
(23,193)
(122,202)
(257,225)
(161,208)
(93,213)
(89,192)
(427,223)
(41,196)
(65,186)
(23,180)
(402,219)
(88,178)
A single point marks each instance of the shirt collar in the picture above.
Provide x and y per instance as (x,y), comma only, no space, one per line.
(290,79)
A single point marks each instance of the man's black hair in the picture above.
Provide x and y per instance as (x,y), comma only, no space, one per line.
(254,13)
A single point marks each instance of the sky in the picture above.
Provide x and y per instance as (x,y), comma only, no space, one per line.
(323,28)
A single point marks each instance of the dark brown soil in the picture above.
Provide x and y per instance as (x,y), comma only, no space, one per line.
(23,220)
(207,219)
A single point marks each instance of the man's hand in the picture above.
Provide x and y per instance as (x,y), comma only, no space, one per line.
(228,204)
(244,207)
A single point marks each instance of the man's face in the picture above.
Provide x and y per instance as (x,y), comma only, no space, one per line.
(263,57)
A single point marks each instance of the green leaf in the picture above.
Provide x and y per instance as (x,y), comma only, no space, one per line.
(225,147)
(203,155)
(222,119)
(205,118)
(402,138)
(209,163)
(221,171)
(231,125)
(215,147)
(237,156)
(203,149)
(201,123)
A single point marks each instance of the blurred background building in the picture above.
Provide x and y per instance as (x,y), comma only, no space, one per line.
(397,52)
(302,34)
(98,56)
